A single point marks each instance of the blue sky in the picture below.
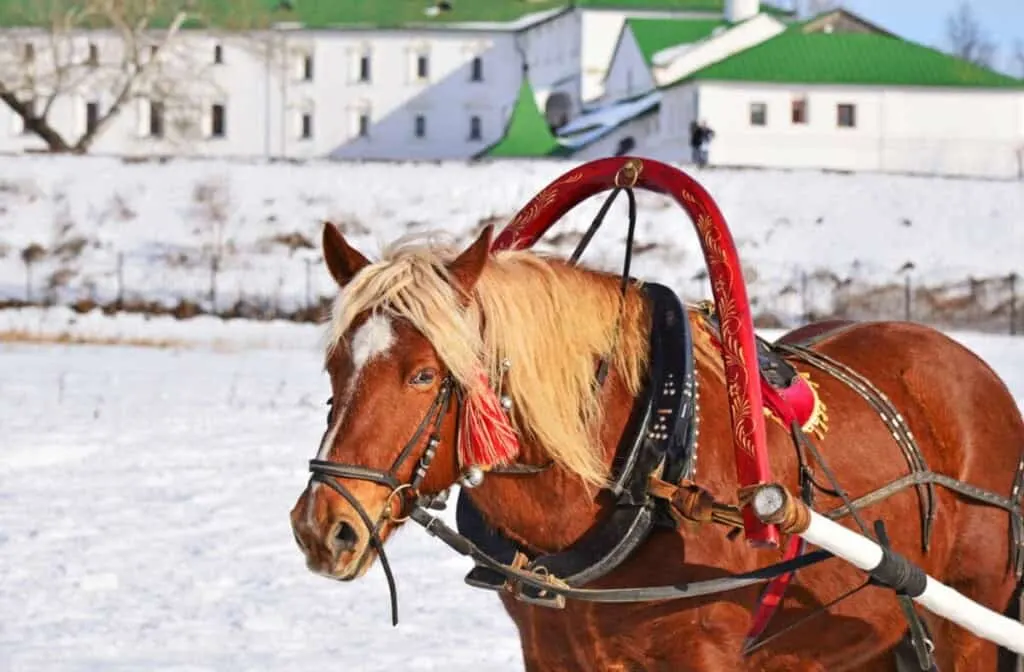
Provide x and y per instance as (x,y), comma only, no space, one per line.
(924,21)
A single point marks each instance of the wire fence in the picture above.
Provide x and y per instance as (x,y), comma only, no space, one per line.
(297,287)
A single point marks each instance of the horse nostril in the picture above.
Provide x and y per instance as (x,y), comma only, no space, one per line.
(345,537)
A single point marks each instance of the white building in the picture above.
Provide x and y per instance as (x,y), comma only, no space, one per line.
(432,90)
(834,92)
(354,80)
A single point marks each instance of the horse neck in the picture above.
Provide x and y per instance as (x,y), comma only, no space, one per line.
(548,512)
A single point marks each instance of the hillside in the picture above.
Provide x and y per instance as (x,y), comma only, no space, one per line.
(239,237)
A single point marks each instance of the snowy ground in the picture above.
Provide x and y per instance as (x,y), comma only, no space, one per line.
(144,498)
(100,228)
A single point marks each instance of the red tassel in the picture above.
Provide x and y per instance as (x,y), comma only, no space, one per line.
(487,438)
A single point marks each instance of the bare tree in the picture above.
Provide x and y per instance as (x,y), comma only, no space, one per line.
(967,39)
(110,50)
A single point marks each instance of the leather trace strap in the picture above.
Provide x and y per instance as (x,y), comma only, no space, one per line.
(546,584)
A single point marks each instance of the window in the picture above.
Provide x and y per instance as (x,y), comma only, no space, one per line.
(218,54)
(94,54)
(474,128)
(29,55)
(422,67)
(420,128)
(364,68)
(800,111)
(154,51)
(92,116)
(156,119)
(218,123)
(307,126)
(846,115)
(364,124)
(477,70)
(758,114)
(307,68)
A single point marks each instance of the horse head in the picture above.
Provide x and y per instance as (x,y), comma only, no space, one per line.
(422,346)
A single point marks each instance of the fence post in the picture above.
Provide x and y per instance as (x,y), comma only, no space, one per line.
(309,284)
(28,281)
(214,267)
(120,280)
(908,294)
(805,301)
(1013,303)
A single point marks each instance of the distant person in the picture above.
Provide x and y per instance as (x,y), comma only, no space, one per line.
(700,137)
(694,141)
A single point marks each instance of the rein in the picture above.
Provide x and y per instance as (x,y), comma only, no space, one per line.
(413,506)
(687,501)
(327,471)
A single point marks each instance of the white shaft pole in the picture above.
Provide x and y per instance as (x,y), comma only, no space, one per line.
(864,553)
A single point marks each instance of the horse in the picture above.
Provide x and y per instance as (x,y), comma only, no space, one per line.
(417,335)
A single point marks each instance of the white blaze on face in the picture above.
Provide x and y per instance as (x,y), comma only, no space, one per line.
(370,341)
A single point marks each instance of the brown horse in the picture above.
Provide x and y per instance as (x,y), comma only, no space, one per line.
(425,315)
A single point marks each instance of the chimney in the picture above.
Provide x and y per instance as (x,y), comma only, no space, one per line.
(741,10)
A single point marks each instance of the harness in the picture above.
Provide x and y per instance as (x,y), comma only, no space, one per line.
(660,439)
(653,460)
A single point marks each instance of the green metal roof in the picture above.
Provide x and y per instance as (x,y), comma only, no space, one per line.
(717,6)
(795,57)
(310,13)
(357,13)
(528,133)
(653,35)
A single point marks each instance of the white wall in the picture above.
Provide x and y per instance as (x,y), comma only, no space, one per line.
(553,51)
(600,29)
(446,99)
(643,130)
(629,74)
(187,64)
(741,10)
(678,108)
(262,85)
(934,131)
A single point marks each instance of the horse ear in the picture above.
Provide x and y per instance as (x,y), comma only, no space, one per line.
(343,261)
(468,266)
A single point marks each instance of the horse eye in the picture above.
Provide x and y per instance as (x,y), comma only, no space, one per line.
(423,377)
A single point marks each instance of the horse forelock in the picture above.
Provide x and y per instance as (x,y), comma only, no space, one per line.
(550,321)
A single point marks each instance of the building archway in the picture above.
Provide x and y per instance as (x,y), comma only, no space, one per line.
(558,109)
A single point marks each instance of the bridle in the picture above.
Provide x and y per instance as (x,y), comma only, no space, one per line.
(407,494)
(413,505)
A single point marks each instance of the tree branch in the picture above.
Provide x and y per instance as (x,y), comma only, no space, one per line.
(139,70)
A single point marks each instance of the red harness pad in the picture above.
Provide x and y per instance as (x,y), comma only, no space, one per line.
(798,402)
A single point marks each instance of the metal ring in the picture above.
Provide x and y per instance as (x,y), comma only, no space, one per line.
(387,504)
(628,175)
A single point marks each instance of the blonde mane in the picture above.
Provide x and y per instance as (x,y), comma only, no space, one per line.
(550,321)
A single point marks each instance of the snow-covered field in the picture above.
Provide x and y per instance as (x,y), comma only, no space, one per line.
(100,228)
(144,492)
(144,499)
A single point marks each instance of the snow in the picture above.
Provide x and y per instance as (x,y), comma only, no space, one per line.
(145,491)
(144,525)
(167,219)
(144,499)
(595,124)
